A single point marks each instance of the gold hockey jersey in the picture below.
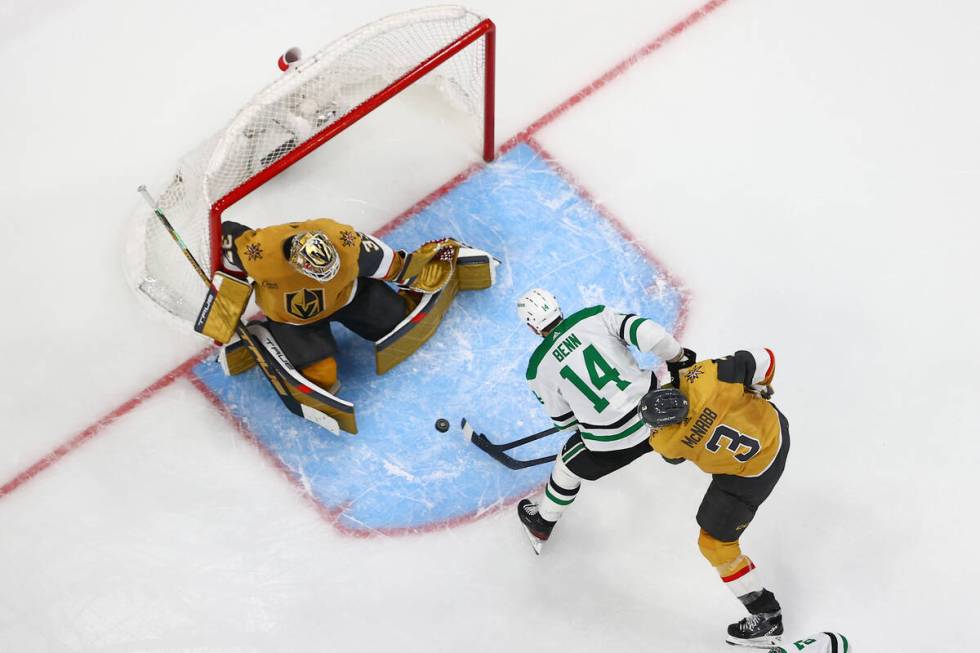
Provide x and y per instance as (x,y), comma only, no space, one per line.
(286,295)
(729,429)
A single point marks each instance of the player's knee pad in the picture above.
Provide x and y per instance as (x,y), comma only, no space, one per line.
(720,554)
(323,373)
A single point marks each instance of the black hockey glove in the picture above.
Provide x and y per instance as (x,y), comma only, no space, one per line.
(674,368)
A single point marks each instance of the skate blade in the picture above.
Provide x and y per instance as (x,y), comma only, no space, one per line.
(765,643)
(536,544)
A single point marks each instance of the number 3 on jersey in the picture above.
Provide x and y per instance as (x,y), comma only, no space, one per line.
(600,373)
(736,440)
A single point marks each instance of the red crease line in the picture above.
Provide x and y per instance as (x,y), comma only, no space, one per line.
(80,438)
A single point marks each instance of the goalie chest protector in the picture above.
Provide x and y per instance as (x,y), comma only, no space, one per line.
(283,293)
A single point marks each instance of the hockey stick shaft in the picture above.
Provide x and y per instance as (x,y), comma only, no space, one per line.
(498,451)
(530,438)
(500,456)
(318,417)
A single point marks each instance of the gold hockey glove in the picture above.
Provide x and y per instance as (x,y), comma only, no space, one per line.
(430,267)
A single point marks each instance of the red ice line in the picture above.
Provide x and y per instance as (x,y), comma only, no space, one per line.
(524,136)
(97,427)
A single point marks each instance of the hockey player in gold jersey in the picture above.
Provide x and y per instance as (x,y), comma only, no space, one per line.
(716,414)
(311,273)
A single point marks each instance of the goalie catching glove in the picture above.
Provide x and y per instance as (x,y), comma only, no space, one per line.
(430,267)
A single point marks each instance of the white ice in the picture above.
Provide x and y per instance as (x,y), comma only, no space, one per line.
(810,172)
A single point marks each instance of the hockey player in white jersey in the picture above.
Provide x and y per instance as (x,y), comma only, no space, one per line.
(585,376)
(825,642)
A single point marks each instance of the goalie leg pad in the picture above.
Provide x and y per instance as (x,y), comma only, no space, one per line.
(235,357)
(475,269)
(415,329)
(301,388)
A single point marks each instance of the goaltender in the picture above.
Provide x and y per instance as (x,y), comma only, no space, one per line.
(312,273)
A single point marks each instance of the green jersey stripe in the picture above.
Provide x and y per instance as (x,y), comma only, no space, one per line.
(574,451)
(636,323)
(615,436)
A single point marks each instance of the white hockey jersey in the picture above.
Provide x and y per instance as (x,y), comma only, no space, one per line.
(818,643)
(585,375)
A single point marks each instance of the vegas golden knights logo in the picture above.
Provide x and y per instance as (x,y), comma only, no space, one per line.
(305,303)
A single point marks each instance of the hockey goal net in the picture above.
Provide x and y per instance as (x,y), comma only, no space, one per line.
(313,101)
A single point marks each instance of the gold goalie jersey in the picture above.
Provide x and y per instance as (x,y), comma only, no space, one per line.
(730,428)
(282,292)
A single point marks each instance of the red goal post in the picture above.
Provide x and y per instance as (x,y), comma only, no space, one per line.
(316,99)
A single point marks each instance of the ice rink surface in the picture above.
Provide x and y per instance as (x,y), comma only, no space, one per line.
(806,173)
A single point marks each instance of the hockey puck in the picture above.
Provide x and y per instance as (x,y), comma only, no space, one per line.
(442,425)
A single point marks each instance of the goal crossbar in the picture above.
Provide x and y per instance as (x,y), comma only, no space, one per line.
(485,28)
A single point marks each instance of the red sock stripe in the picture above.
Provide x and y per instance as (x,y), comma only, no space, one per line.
(738,574)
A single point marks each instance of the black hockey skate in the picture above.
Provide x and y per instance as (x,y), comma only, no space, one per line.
(763,630)
(538,528)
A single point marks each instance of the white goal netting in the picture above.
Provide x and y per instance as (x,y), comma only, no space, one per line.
(312,101)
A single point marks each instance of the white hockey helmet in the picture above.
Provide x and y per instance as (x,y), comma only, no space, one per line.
(539,309)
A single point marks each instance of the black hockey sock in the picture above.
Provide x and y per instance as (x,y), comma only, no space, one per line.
(763,602)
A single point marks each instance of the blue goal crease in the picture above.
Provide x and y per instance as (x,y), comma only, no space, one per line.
(400,473)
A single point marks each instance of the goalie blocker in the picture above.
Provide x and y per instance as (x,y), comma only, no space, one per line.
(220,316)
(222,310)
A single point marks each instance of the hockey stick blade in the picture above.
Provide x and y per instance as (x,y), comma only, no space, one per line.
(497,451)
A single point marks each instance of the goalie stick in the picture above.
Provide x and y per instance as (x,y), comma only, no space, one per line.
(310,413)
(497,451)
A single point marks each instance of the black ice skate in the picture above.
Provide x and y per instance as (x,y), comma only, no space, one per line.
(761,630)
(538,528)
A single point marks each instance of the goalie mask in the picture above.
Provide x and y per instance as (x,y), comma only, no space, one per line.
(313,254)
(538,309)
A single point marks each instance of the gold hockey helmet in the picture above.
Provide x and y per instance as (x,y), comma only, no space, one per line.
(312,254)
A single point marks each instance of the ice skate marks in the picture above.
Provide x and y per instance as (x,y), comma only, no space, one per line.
(399,474)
